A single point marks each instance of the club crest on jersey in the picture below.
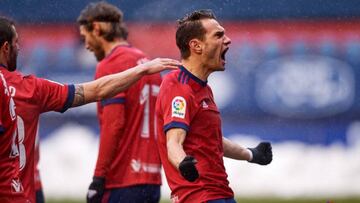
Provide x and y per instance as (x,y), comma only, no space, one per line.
(178,107)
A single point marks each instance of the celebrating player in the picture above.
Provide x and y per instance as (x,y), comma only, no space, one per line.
(34,96)
(128,164)
(190,140)
(11,189)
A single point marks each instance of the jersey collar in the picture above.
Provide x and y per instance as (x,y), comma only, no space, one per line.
(185,75)
(116,47)
(3,66)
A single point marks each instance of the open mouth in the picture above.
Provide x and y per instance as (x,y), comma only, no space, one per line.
(223,54)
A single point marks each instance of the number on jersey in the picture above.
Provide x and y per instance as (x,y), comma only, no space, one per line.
(147,92)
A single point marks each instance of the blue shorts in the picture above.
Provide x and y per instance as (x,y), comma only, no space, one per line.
(133,194)
(230,200)
(40,196)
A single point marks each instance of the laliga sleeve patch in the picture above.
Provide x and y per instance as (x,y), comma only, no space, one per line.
(178,107)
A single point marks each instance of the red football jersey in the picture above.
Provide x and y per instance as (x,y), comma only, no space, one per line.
(187,102)
(34,96)
(11,189)
(37,178)
(128,154)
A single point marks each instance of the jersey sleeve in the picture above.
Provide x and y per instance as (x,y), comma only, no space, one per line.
(176,104)
(53,96)
(113,116)
(111,131)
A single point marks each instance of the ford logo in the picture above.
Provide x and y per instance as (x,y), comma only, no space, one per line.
(304,86)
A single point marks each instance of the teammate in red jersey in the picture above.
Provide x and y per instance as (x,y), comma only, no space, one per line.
(11,189)
(34,96)
(190,140)
(128,164)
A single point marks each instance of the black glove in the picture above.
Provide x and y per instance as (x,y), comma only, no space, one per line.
(96,190)
(188,170)
(262,154)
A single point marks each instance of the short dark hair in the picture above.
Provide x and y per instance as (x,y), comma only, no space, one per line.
(104,12)
(190,27)
(7,32)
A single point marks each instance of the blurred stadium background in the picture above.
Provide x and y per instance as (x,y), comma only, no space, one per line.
(292,77)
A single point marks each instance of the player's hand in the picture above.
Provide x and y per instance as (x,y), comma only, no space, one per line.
(262,154)
(96,190)
(188,170)
(159,64)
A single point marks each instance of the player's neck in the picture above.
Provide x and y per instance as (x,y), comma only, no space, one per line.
(109,46)
(196,68)
(3,62)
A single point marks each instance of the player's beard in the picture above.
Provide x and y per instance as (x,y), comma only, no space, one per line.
(12,62)
(98,51)
(212,59)
(99,54)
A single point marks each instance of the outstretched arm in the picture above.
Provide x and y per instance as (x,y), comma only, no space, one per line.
(261,154)
(110,85)
(235,151)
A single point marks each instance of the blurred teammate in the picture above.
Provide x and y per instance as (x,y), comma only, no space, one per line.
(128,164)
(190,140)
(11,189)
(34,96)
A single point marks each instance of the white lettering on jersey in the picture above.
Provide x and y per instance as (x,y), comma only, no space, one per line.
(151,168)
(11,103)
(16,186)
(178,107)
(5,84)
(21,146)
(12,91)
(144,95)
(14,148)
(12,109)
(136,165)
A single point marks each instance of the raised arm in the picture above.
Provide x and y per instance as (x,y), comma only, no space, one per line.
(110,85)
